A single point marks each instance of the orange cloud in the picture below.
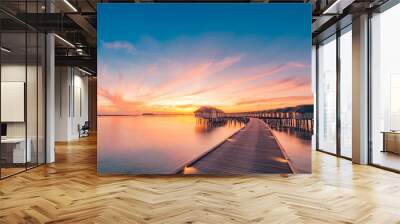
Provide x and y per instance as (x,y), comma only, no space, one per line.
(116,102)
(280,86)
(212,83)
(201,71)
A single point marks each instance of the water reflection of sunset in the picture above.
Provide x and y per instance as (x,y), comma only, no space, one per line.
(205,125)
(154,144)
(297,145)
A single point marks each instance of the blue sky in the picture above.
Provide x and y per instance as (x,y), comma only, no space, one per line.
(171,20)
(155,46)
(279,23)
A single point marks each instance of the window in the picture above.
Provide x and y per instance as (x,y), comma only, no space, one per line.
(346,92)
(385,89)
(327,95)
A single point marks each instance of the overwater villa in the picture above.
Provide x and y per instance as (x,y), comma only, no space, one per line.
(208,112)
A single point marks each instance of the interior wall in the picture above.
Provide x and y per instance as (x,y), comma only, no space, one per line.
(61,103)
(80,102)
(71,102)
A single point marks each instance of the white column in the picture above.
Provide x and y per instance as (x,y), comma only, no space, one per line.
(50,92)
(50,99)
(360,90)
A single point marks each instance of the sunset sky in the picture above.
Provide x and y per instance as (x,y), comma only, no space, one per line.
(174,58)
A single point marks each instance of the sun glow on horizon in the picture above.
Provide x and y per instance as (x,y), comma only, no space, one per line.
(224,64)
(265,87)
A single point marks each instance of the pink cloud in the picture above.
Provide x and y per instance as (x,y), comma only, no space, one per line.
(194,74)
(209,81)
(117,103)
(290,100)
(289,84)
(297,64)
(203,70)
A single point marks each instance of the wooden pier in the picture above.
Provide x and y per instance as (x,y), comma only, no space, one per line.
(254,149)
(299,117)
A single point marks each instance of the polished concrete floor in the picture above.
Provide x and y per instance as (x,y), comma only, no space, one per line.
(70,191)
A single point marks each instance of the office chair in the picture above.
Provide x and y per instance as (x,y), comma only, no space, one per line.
(84,130)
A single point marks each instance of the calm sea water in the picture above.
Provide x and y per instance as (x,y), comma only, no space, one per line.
(162,144)
(297,145)
(157,144)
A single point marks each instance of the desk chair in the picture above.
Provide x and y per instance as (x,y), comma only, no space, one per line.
(84,130)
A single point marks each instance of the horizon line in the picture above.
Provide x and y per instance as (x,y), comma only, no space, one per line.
(189,113)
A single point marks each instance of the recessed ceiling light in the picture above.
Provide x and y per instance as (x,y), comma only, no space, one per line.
(337,7)
(84,71)
(64,40)
(70,5)
(5,50)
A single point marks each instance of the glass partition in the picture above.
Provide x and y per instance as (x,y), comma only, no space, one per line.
(22,91)
(13,110)
(31,100)
(327,95)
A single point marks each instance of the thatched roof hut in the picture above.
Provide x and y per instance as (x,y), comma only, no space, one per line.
(209,112)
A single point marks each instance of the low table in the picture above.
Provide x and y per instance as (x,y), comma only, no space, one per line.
(391,141)
(13,150)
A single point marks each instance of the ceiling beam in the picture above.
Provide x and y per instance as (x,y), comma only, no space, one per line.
(86,26)
(77,61)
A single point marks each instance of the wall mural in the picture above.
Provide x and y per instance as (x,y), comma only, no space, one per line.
(204,88)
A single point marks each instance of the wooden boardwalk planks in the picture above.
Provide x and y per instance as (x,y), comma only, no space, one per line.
(253,150)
